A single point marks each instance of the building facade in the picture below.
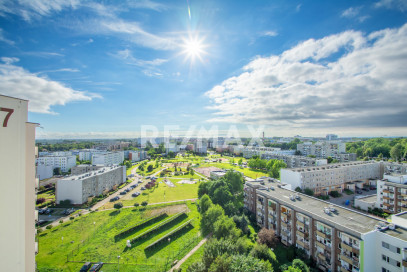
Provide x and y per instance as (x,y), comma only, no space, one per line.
(391,197)
(338,239)
(293,161)
(17,170)
(63,162)
(332,177)
(108,158)
(84,168)
(325,149)
(79,189)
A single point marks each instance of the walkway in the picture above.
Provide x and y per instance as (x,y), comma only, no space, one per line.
(190,253)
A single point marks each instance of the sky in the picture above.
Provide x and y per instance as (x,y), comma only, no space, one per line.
(114,69)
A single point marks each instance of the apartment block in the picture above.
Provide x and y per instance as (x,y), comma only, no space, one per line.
(137,155)
(250,151)
(337,238)
(332,177)
(325,149)
(44,171)
(108,158)
(86,154)
(63,162)
(84,168)
(17,167)
(81,188)
(391,196)
(293,161)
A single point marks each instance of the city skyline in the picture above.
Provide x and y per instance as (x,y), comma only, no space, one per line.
(104,70)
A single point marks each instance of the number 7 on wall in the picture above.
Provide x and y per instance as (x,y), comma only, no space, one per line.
(9,113)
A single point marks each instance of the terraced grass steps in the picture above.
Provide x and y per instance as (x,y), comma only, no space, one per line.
(140,225)
(159,226)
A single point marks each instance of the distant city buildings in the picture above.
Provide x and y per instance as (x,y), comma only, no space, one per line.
(84,168)
(80,189)
(324,149)
(293,161)
(336,238)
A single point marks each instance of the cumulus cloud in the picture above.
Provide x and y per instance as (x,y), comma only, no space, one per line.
(351,12)
(344,80)
(392,4)
(40,91)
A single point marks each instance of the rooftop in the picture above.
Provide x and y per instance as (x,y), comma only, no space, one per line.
(400,185)
(92,173)
(369,199)
(331,166)
(341,217)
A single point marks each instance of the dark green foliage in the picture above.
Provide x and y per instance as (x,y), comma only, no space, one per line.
(144,203)
(242,222)
(297,263)
(242,263)
(298,189)
(335,194)
(196,267)
(150,168)
(308,191)
(263,252)
(118,205)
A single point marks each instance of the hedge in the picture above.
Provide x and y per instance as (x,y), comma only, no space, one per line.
(169,235)
(141,224)
(169,220)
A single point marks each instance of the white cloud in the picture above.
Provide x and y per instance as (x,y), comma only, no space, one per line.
(127,56)
(4,39)
(392,4)
(42,92)
(269,33)
(351,12)
(343,80)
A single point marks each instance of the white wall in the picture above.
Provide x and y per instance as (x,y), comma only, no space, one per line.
(69,189)
(45,171)
(291,177)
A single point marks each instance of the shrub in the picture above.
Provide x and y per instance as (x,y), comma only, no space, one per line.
(144,203)
(308,191)
(61,221)
(49,227)
(298,189)
(335,194)
(118,205)
(40,200)
(71,218)
(136,204)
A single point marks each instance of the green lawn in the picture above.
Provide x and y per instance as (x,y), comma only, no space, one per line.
(197,256)
(99,243)
(251,173)
(49,196)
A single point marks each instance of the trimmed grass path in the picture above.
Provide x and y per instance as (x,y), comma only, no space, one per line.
(190,253)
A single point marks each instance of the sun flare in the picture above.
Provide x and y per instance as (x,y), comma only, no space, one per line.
(193,48)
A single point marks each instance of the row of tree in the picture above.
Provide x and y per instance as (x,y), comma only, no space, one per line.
(395,148)
(272,167)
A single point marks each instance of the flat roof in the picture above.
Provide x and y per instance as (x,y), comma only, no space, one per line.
(388,183)
(402,215)
(92,173)
(331,166)
(371,198)
(13,97)
(348,219)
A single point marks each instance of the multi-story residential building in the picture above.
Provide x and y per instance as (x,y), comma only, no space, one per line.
(331,177)
(86,154)
(331,137)
(251,151)
(17,169)
(108,158)
(63,162)
(137,155)
(293,161)
(45,171)
(84,168)
(81,188)
(391,197)
(325,149)
(200,146)
(337,238)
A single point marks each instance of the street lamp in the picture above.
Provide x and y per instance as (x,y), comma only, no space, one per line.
(118,262)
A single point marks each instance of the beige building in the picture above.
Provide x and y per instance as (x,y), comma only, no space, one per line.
(337,238)
(17,172)
(391,197)
(332,177)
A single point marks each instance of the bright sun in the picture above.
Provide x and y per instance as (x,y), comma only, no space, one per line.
(193,48)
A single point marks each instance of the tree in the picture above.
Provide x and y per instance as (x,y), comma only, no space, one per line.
(225,227)
(196,267)
(396,152)
(268,237)
(136,204)
(204,204)
(242,263)
(215,248)
(127,164)
(298,189)
(308,191)
(221,264)
(299,264)
(144,203)
(242,222)
(150,168)
(118,206)
(329,159)
(298,153)
(203,188)
(209,218)
(292,269)
(141,167)
(161,149)
(262,252)
(57,171)
(240,162)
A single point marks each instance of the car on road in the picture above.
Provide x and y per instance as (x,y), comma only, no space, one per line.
(140,181)
(96,267)
(85,267)
(113,199)
(68,211)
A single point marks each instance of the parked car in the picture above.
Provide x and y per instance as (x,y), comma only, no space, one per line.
(96,267)
(135,194)
(365,189)
(359,191)
(140,181)
(143,188)
(85,267)
(127,190)
(372,188)
(68,211)
(114,198)
(123,193)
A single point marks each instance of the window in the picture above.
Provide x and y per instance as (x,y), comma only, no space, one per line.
(385,245)
(398,250)
(398,264)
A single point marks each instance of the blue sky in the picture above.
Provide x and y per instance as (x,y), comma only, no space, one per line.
(106,68)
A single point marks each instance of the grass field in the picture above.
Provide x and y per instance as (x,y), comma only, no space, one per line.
(197,256)
(162,193)
(91,238)
(251,173)
(49,196)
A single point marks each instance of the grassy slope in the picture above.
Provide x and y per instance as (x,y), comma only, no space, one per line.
(102,247)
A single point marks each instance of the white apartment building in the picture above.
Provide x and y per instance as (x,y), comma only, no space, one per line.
(86,154)
(337,238)
(250,151)
(391,196)
(108,158)
(325,149)
(63,162)
(44,171)
(84,168)
(331,177)
(79,189)
(17,171)
(293,161)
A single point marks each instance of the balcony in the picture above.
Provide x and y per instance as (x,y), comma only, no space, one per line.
(387,204)
(299,233)
(404,262)
(386,197)
(300,224)
(319,244)
(355,250)
(321,256)
(285,225)
(346,259)
(344,269)
(386,191)
(323,235)
(345,246)
(301,243)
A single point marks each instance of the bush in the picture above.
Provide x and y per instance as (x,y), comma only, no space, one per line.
(118,205)
(40,200)
(335,194)
(308,191)
(136,204)
(298,189)
(49,227)
(323,197)
(71,218)
(61,221)
(144,203)
(268,237)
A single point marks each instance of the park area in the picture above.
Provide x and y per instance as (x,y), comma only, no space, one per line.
(159,235)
